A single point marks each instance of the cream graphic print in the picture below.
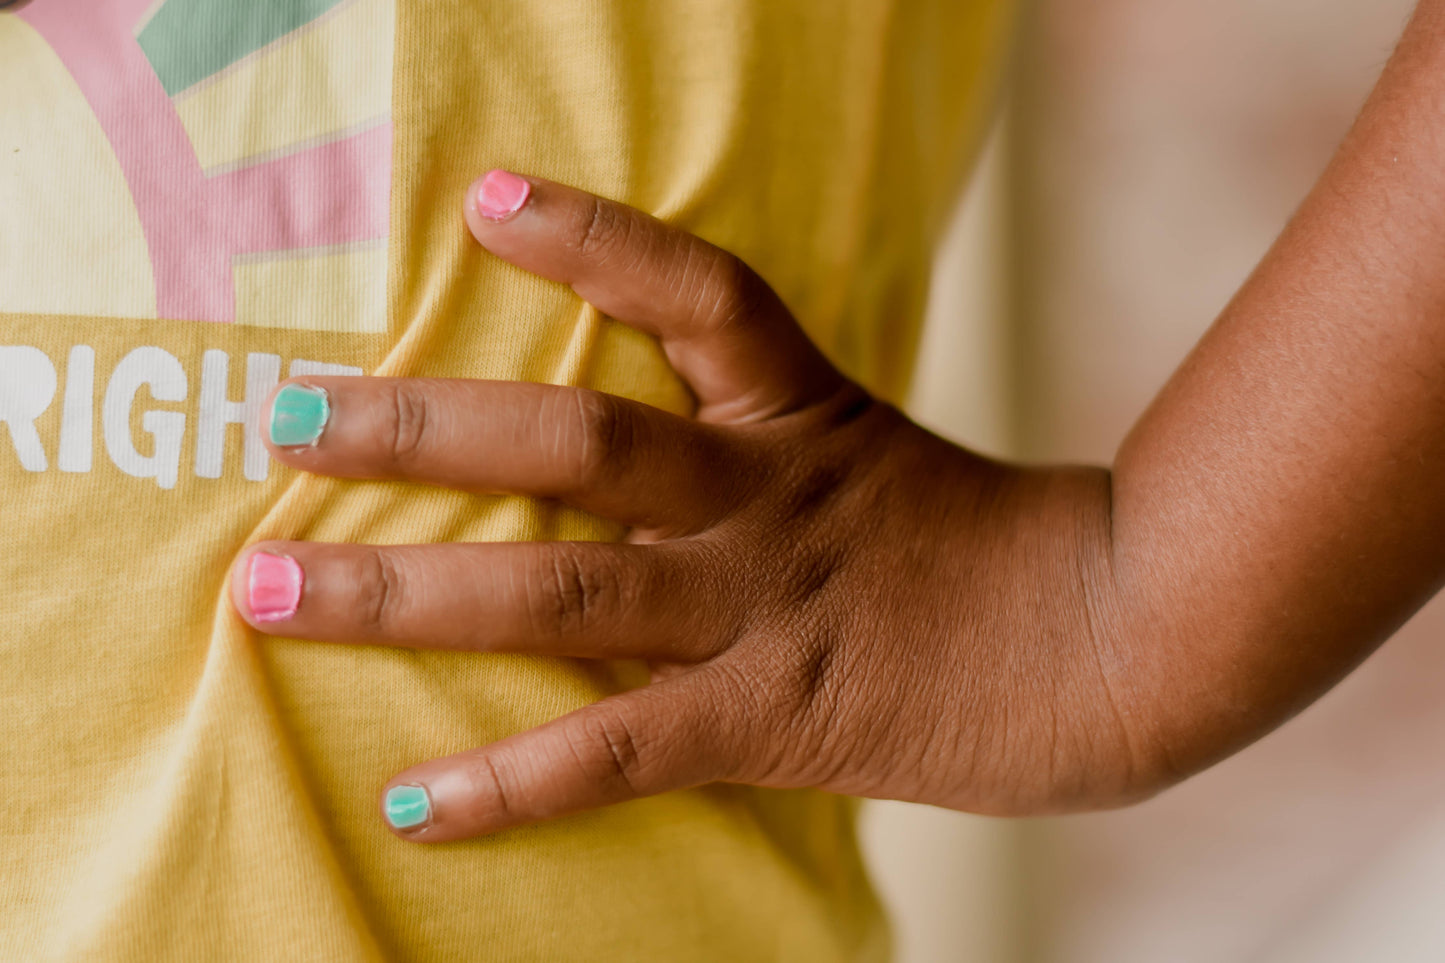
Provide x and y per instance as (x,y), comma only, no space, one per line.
(205,160)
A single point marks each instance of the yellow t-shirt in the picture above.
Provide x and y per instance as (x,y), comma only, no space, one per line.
(199,197)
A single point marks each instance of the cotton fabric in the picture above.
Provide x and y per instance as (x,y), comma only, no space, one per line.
(201,197)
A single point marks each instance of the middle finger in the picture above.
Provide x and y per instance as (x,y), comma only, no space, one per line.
(580,599)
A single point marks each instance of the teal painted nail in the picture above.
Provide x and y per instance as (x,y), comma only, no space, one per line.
(407,807)
(298,416)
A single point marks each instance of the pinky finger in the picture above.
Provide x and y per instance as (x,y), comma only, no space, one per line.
(664,737)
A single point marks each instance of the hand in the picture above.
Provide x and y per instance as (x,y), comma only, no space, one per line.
(829,595)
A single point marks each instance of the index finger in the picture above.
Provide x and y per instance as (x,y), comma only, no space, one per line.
(620,459)
(725,331)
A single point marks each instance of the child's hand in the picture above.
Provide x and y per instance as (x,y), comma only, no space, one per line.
(830,595)
(833,597)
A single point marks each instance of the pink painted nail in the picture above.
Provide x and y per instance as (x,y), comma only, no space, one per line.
(501,195)
(273,587)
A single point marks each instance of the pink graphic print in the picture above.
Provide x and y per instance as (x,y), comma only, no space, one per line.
(195,225)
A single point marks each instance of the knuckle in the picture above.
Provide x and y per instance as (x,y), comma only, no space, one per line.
(808,662)
(729,294)
(814,675)
(802,666)
(607,431)
(407,429)
(378,592)
(812,693)
(756,726)
(491,786)
(600,230)
(607,749)
(574,594)
(819,576)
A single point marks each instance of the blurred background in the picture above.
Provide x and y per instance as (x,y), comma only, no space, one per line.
(1149,153)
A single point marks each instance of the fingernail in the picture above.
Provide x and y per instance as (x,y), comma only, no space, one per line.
(501,195)
(407,807)
(273,587)
(298,416)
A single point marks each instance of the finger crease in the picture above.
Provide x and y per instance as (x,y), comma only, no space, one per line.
(595,232)
(381,590)
(622,753)
(503,802)
(410,415)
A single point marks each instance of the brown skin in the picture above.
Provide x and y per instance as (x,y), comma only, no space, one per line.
(835,598)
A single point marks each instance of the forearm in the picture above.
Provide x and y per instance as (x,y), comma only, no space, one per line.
(1279,510)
